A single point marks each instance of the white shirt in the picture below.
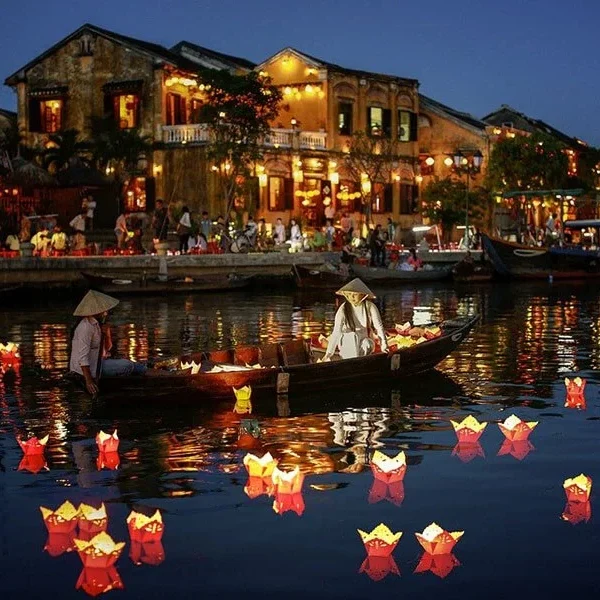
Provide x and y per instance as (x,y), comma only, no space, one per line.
(86,346)
(329,212)
(12,241)
(185,220)
(78,223)
(279,233)
(295,234)
(90,205)
(121,224)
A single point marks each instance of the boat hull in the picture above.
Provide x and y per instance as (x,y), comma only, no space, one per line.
(308,278)
(393,276)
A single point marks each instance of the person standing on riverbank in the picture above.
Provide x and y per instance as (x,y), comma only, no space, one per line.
(184,229)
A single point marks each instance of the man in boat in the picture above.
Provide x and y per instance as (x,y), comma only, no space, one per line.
(355,322)
(92,343)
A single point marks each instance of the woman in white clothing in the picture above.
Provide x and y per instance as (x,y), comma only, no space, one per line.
(356,320)
(184,228)
(121,230)
(279,232)
(295,233)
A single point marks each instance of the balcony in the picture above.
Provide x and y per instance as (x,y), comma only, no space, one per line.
(197,133)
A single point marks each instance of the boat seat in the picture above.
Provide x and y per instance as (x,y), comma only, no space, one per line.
(294,352)
(246,355)
(269,355)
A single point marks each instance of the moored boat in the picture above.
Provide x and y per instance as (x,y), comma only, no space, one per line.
(121,284)
(320,278)
(392,276)
(287,367)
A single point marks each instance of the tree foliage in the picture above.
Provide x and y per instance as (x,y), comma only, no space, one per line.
(527,163)
(64,150)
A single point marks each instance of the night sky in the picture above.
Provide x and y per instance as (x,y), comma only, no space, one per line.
(541,57)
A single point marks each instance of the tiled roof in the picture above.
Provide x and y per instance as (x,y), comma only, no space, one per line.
(429,103)
(228,59)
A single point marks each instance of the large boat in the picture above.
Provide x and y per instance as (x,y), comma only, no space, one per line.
(533,262)
(287,367)
(124,284)
(392,276)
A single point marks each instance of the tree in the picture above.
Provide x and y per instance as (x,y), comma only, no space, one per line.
(64,150)
(527,163)
(238,111)
(369,161)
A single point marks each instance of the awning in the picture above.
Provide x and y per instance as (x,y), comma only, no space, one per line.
(49,92)
(538,193)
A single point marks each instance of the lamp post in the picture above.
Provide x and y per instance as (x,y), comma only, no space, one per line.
(469,163)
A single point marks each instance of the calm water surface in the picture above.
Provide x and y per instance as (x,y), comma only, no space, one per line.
(223,539)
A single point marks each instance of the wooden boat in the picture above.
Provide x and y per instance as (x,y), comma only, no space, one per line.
(388,276)
(472,272)
(287,367)
(319,278)
(117,284)
(532,262)
(10,292)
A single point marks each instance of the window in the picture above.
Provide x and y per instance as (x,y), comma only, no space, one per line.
(281,193)
(124,108)
(379,121)
(135,195)
(46,116)
(196,110)
(176,109)
(409,196)
(407,126)
(383,198)
(345,118)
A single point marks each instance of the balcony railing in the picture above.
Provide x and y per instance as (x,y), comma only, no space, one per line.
(198,133)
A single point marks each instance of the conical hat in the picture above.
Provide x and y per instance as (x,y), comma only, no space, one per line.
(356,285)
(95,303)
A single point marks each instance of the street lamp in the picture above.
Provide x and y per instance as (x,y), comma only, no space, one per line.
(469,163)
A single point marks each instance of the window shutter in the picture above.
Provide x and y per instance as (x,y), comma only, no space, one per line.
(369,122)
(116,110)
(108,106)
(136,115)
(388,198)
(387,122)
(288,194)
(62,114)
(182,110)
(35,115)
(413,127)
(169,115)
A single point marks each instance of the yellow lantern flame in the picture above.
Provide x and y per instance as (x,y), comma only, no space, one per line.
(381,532)
(513,421)
(433,531)
(90,513)
(469,422)
(101,544)
(388,463)
(142,521)
(583,482)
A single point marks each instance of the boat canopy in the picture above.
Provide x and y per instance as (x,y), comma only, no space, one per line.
(582,224)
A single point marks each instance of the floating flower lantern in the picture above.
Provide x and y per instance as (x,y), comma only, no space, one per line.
(403,329)
(94,581)
(439,564)
(436,540)
(99,552)
(92,520)
(380,541)
(108,460)
(10,357)
(33,446)
(469,430)
(575,393)
(249,434)
(379,567)
(62,520)
(392,492)
(148,553)
(260,467)
(516,430)
(145,529)
(258,486)
(59,543)
(576,512)
(518,450)
(286,502)
(195,367)
(578,489)
(467,451)
(34,463)
(388,469)
(107,442)
(287,482)
(243,404)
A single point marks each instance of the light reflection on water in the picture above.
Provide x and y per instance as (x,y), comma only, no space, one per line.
(187,460)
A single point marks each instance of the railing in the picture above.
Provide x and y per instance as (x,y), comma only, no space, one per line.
(198,133)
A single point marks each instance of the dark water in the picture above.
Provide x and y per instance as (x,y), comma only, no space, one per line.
(186,460)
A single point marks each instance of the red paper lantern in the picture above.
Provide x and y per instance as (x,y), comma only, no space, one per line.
(392,492)
(149,553)
(286,502)
(575,393)
(436,540)
(59,543)
(518,449)
(516,430)
(469,430)
(388,469)
(33,446)
(578,489)
(379,567)
(62,520)
(145,529)
(288,482)
(576,512)
(99,552)
(34,463)
(466,451)
(380,541)
(258,486)
(108,460)
(92,520)
(439,564)
(107,442)
(95,581)
(260,467)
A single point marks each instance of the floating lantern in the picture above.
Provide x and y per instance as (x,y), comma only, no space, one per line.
(436,540)
(575,393)
(286,502)
(258,486)
(439,564)
(516,430)
(145,529)
(260,467)
(468,430)
(388,469)
(33,446)
(518,450)
(243,404)
(62,520)
(108,460)
(99,552)
(249,434)
(92,520)
(576,512)
(10,357)
(149,553)
(59,543)
(379,567)
(34,463)
(578,489)
(381,541)
(287,482)
(195,367)
(96,581)
(467,451)
(107,442)
(392,492)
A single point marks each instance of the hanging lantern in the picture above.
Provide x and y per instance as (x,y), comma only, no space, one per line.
(243,405)
(467,451)
(516,430)
(59,543)
(439,564)
(92,520)
(576,512)
(149,553)
(107,442)
(436,540)
(34,463)
(578,489)
(108,460)
(258,486)
(575,393)
(286,502)
(145,529)
(260,467)
(96,581)
(379,567)
(380,541)
(388,469)
(33,446)
(62,520)
(99,552)
(469,429)
(392,492)
(287,482)
(518,450)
